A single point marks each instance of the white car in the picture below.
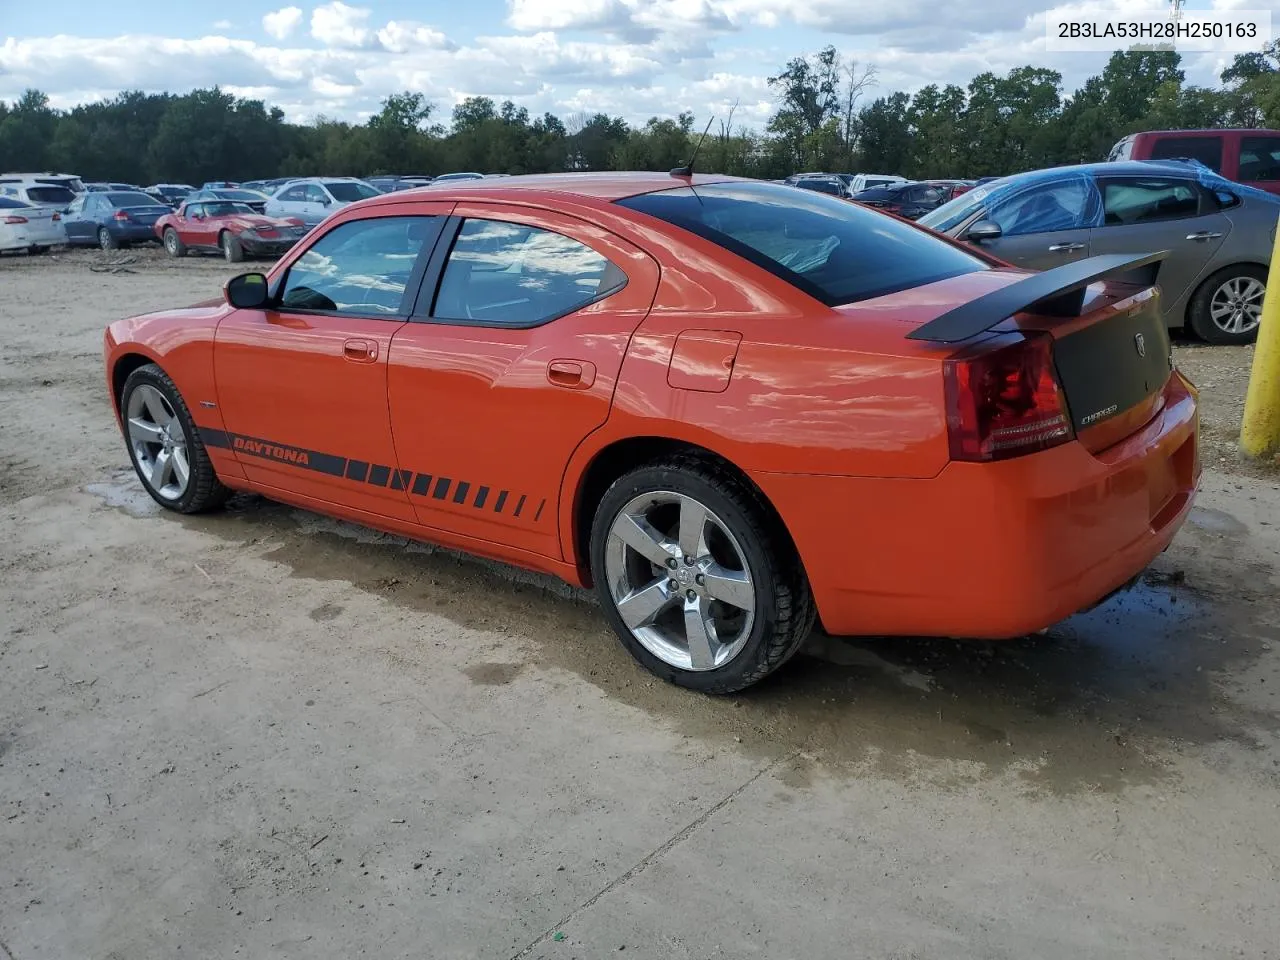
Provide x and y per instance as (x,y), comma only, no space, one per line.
(70,181)
(455,177)
(24,226)
(313,199)
(865,181)
(38,194)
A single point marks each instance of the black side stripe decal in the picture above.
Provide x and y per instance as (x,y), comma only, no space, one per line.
(360,471)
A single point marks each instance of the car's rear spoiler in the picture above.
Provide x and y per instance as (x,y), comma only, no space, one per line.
(1057,293)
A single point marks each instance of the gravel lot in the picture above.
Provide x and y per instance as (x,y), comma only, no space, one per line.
(268,734)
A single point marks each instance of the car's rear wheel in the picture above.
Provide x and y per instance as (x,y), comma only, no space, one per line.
(106,241)
(1227,308)
(173,244)
(231,248)
(36,248)
(165,445)
(695,576)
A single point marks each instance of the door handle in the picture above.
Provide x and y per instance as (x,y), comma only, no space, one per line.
(1066,247)
(1204,235)
(574,374)
(360,351)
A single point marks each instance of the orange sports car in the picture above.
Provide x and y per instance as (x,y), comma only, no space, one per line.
(731,406)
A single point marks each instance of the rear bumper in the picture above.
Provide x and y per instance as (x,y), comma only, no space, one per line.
(998,550)
(132,232)
(24,236)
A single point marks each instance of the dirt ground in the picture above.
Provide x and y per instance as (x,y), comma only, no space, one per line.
(267,734)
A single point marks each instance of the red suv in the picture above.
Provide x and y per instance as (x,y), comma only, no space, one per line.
(1246,156)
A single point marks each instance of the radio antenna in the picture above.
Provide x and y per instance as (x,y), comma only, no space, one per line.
(687,169)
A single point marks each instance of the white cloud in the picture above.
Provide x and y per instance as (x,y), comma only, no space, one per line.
(280,23)
(634,58)
(404,37)
(337,25)
(567,14)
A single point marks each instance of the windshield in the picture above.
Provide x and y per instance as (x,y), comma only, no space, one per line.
(50,194)
(227,208)
(822,186)
(835,251)
(955,211)
(349,191)
(130,200)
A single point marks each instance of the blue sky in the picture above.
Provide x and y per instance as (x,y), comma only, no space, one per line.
(636,58)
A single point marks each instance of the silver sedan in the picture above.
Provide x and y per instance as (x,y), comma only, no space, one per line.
(1219,234)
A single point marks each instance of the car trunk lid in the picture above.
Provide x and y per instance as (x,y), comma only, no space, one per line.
(1110,349)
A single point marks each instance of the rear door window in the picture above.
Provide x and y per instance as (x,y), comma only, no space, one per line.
(1129,201)
(1207,150)
(836,252)
(1259,159)
(513,275)
(359,268)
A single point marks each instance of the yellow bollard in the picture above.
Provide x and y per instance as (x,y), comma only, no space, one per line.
(1260,429)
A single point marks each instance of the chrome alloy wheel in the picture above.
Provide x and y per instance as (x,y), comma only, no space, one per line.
(680,581)
(158,442)
(1236,306)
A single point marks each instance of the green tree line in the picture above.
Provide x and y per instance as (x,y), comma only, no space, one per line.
(825,120)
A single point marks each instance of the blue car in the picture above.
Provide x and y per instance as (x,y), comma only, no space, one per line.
(113,219)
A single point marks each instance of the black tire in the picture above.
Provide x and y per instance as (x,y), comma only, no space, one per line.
(36,249)
(784,611)
(1199,317)
(204,491)
(231,248)
(173,244)
(106,241)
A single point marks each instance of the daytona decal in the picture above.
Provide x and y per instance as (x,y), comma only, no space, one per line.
(424,485)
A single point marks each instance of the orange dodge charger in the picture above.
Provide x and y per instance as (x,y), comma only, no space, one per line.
(731,406)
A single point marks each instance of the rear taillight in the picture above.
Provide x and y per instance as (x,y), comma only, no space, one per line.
(1004,400)
(120,215)
(56,217)
(15,220)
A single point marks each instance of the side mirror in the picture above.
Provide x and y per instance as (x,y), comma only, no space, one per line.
(247,291)
(325,202)
(984,230)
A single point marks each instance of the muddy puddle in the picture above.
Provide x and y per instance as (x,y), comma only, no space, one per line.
(1105,699)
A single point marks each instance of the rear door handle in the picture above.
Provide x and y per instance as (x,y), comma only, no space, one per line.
(574,374)
(1066,247)
(1204,235)
(360,351)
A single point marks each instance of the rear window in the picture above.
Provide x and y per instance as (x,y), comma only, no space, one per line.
(246,195)
(835,251)
(8,203)
(130,199)
(1259,159)
(50,194)
(347,192)
(1208,150)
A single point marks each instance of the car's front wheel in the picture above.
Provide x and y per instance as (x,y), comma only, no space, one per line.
(1227,308)
(231,247)
(696,577)
(173,244)
(165,445)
